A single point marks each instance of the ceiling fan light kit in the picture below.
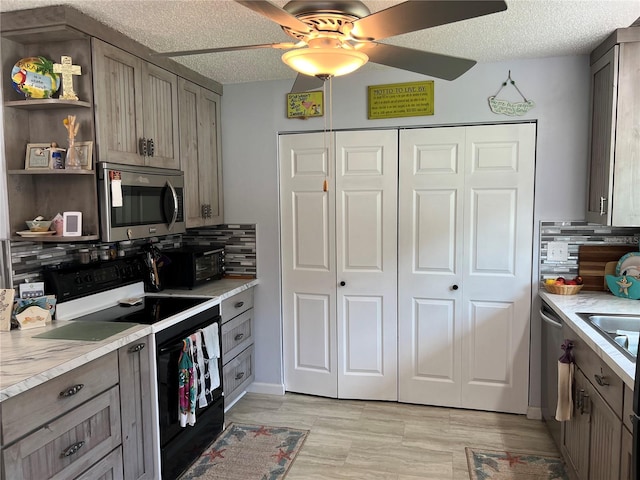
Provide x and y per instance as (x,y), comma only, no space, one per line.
(325,62)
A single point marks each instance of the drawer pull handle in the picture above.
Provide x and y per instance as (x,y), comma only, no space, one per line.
(239,305)
(602,380)
(239,375)
(238,337)
(73,449)
(72,391)
(136,348)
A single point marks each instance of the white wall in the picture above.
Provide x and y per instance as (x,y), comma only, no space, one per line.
(254,113)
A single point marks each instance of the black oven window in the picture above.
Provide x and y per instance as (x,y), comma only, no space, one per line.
(140,206)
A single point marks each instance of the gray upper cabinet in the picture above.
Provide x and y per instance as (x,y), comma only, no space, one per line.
(200,154)
(136,109)
(614,170)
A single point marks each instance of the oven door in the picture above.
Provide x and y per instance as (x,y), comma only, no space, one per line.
(138,202)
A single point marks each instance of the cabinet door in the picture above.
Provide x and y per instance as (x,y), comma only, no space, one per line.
(199,154)
(604,75)
(118,87)
(626,455)
(160,101)
(136,410)
(605,432)
(575,434)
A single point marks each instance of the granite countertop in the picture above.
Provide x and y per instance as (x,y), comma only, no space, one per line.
(26,362)
(567,306)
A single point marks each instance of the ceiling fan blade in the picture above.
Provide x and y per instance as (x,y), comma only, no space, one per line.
(282,46)
(426,63)
(415,15)
(276,14)
(305,83)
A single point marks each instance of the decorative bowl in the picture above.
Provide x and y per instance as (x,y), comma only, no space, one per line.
(624,286)
(38,225)
(563,289)
(34,77)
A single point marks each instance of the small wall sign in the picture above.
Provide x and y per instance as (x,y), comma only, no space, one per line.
(305,104)
(394,100)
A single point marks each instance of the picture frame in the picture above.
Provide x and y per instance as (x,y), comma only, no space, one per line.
(84,153)
(38,156)
(72,224)
(305,104)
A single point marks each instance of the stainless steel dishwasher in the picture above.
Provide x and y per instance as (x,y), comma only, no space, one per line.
(551,341)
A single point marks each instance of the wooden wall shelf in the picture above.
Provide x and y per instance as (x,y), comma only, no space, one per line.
(50,171)
(46,103)
(55,239)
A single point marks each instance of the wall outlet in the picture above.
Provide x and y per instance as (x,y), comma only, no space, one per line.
(557,251)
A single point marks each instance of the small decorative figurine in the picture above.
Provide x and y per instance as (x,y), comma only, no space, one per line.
(56,156)
(68,70)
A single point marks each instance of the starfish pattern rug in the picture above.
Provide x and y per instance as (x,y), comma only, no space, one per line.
(501,465)
(248,452)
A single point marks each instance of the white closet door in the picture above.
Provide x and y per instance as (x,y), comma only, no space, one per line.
(466,222)
(308,266)
(499,178)
(366,250)
(429,265)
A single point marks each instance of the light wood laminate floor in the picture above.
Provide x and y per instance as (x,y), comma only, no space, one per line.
(366,440)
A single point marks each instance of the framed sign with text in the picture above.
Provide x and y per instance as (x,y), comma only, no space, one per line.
(412,99)
(305,104)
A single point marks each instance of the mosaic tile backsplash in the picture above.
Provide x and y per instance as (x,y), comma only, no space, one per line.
(576,234)
(29,258)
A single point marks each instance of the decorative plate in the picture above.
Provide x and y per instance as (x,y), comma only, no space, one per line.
(29,233)
(629,264)
(34,77)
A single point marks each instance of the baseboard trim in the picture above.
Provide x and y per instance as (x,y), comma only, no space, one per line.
(534,413)
(266,388)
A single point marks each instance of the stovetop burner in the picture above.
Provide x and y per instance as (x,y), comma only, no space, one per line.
(149,311)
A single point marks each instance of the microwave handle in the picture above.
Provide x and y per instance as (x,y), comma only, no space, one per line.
(174,197)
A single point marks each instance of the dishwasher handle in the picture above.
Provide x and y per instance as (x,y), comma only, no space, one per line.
(550,320)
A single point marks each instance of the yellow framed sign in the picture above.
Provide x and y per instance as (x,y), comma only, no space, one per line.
(394,100)
(305,104)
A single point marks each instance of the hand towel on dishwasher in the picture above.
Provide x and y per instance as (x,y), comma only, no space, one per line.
(632,339)
(207,354)
(566,368)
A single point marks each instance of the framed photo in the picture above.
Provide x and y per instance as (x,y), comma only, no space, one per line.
(38,156)
(84,153)
(305,104)
(72,224)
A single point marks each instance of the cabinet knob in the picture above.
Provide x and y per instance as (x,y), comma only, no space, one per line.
(142,147)
(239,375)
(239,305)
(343,283)
(603,202)
(151,147)
(136,348)
(72,449)
(238,337)
(72,390)
(602,380)
(454,287)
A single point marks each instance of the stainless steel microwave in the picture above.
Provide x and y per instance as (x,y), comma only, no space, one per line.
(139,202)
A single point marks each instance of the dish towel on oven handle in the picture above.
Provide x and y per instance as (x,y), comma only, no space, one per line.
(186,385)
(566,366)
(208,352)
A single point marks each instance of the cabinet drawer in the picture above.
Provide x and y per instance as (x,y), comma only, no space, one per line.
(605,381)
(234,306)
(109,468)
(237,372)
(69,445)
(237,334)
(35,407)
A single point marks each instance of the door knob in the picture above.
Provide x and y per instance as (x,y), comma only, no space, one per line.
(454,287)
(343,283)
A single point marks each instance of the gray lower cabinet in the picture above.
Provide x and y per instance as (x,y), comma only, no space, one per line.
(626,455)
(592,439)
(237,345)
(134,365)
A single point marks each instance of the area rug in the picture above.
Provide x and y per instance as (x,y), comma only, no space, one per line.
(501,465)
(248,452)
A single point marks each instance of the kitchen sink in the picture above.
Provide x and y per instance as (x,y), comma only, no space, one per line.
(619,329)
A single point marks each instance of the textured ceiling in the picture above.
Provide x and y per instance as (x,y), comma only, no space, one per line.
(527,29)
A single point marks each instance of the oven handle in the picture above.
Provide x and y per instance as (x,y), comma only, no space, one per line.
(174,197)
(171,348)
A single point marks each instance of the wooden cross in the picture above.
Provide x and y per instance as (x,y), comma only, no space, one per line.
(67,69)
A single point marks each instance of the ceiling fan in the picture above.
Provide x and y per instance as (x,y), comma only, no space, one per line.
(336,37)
